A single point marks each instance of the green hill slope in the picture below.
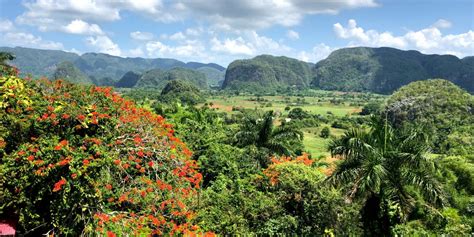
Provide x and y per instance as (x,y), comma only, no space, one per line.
(103,68)
(383,70)
(267,73)
(158,78)
(440,107)
(67,71)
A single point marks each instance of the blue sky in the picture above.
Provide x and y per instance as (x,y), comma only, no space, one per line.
(225,30)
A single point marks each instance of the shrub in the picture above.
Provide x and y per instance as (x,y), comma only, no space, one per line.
(83,160)
(325,132)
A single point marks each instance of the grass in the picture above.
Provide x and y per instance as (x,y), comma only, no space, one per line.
(316,145)
(315,105)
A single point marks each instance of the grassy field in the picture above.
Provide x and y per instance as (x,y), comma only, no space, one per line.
(315,105)
(314,144)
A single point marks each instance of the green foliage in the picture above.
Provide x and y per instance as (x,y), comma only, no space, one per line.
(378,166)
(158,78)
(384,70)
(325,132)
(444,110)
(298,113)
(128,80)
(372,107)
(267,73)
(261,133)
(179,91)
(289,198)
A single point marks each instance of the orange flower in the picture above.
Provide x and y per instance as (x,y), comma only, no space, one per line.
(111,234)
(85,162)
(31,158)
(65,116)
(58,185)
(137,140)
(108,187)
(117,162)
(60,145)
(81,117)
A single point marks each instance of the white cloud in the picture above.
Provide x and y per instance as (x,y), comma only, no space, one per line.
(28,40)
(251,14)
(177,36)
(6,25)
(138,52)
(52,15)
(319,52)
(429,40)
(293,35)
(144,36)
(194,31)
(232,46)
(224,14)
(104,44)
(190,50)
(442,23)
(83,28)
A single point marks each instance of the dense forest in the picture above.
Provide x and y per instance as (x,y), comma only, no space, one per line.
(164,153)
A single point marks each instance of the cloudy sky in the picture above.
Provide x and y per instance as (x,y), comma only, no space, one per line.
(223,30)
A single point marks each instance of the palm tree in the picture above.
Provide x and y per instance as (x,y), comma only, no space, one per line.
(377,167)
(261,133)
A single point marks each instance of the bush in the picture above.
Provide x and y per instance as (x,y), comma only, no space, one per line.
(325,132)
(82,160)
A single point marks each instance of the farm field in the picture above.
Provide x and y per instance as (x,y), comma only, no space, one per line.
(315,105)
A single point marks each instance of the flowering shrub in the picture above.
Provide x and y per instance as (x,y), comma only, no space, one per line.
(83,160)
(273,171)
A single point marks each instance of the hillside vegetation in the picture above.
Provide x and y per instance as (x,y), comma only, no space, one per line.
(384,70)
(68,72)
(440,107)
(158,78)
(104,69)
(267,73)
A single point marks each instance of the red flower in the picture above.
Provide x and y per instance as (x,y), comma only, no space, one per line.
(111,234)
(58,185)
(60,145)
(108,187)
(31,158)
(81,117)
(137,140)
(66,116)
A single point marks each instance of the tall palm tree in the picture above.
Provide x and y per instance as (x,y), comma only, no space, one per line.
(377,166)
(262,133)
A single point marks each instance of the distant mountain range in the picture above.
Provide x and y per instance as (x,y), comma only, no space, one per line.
(384,70)
(380,70)
(103,69)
